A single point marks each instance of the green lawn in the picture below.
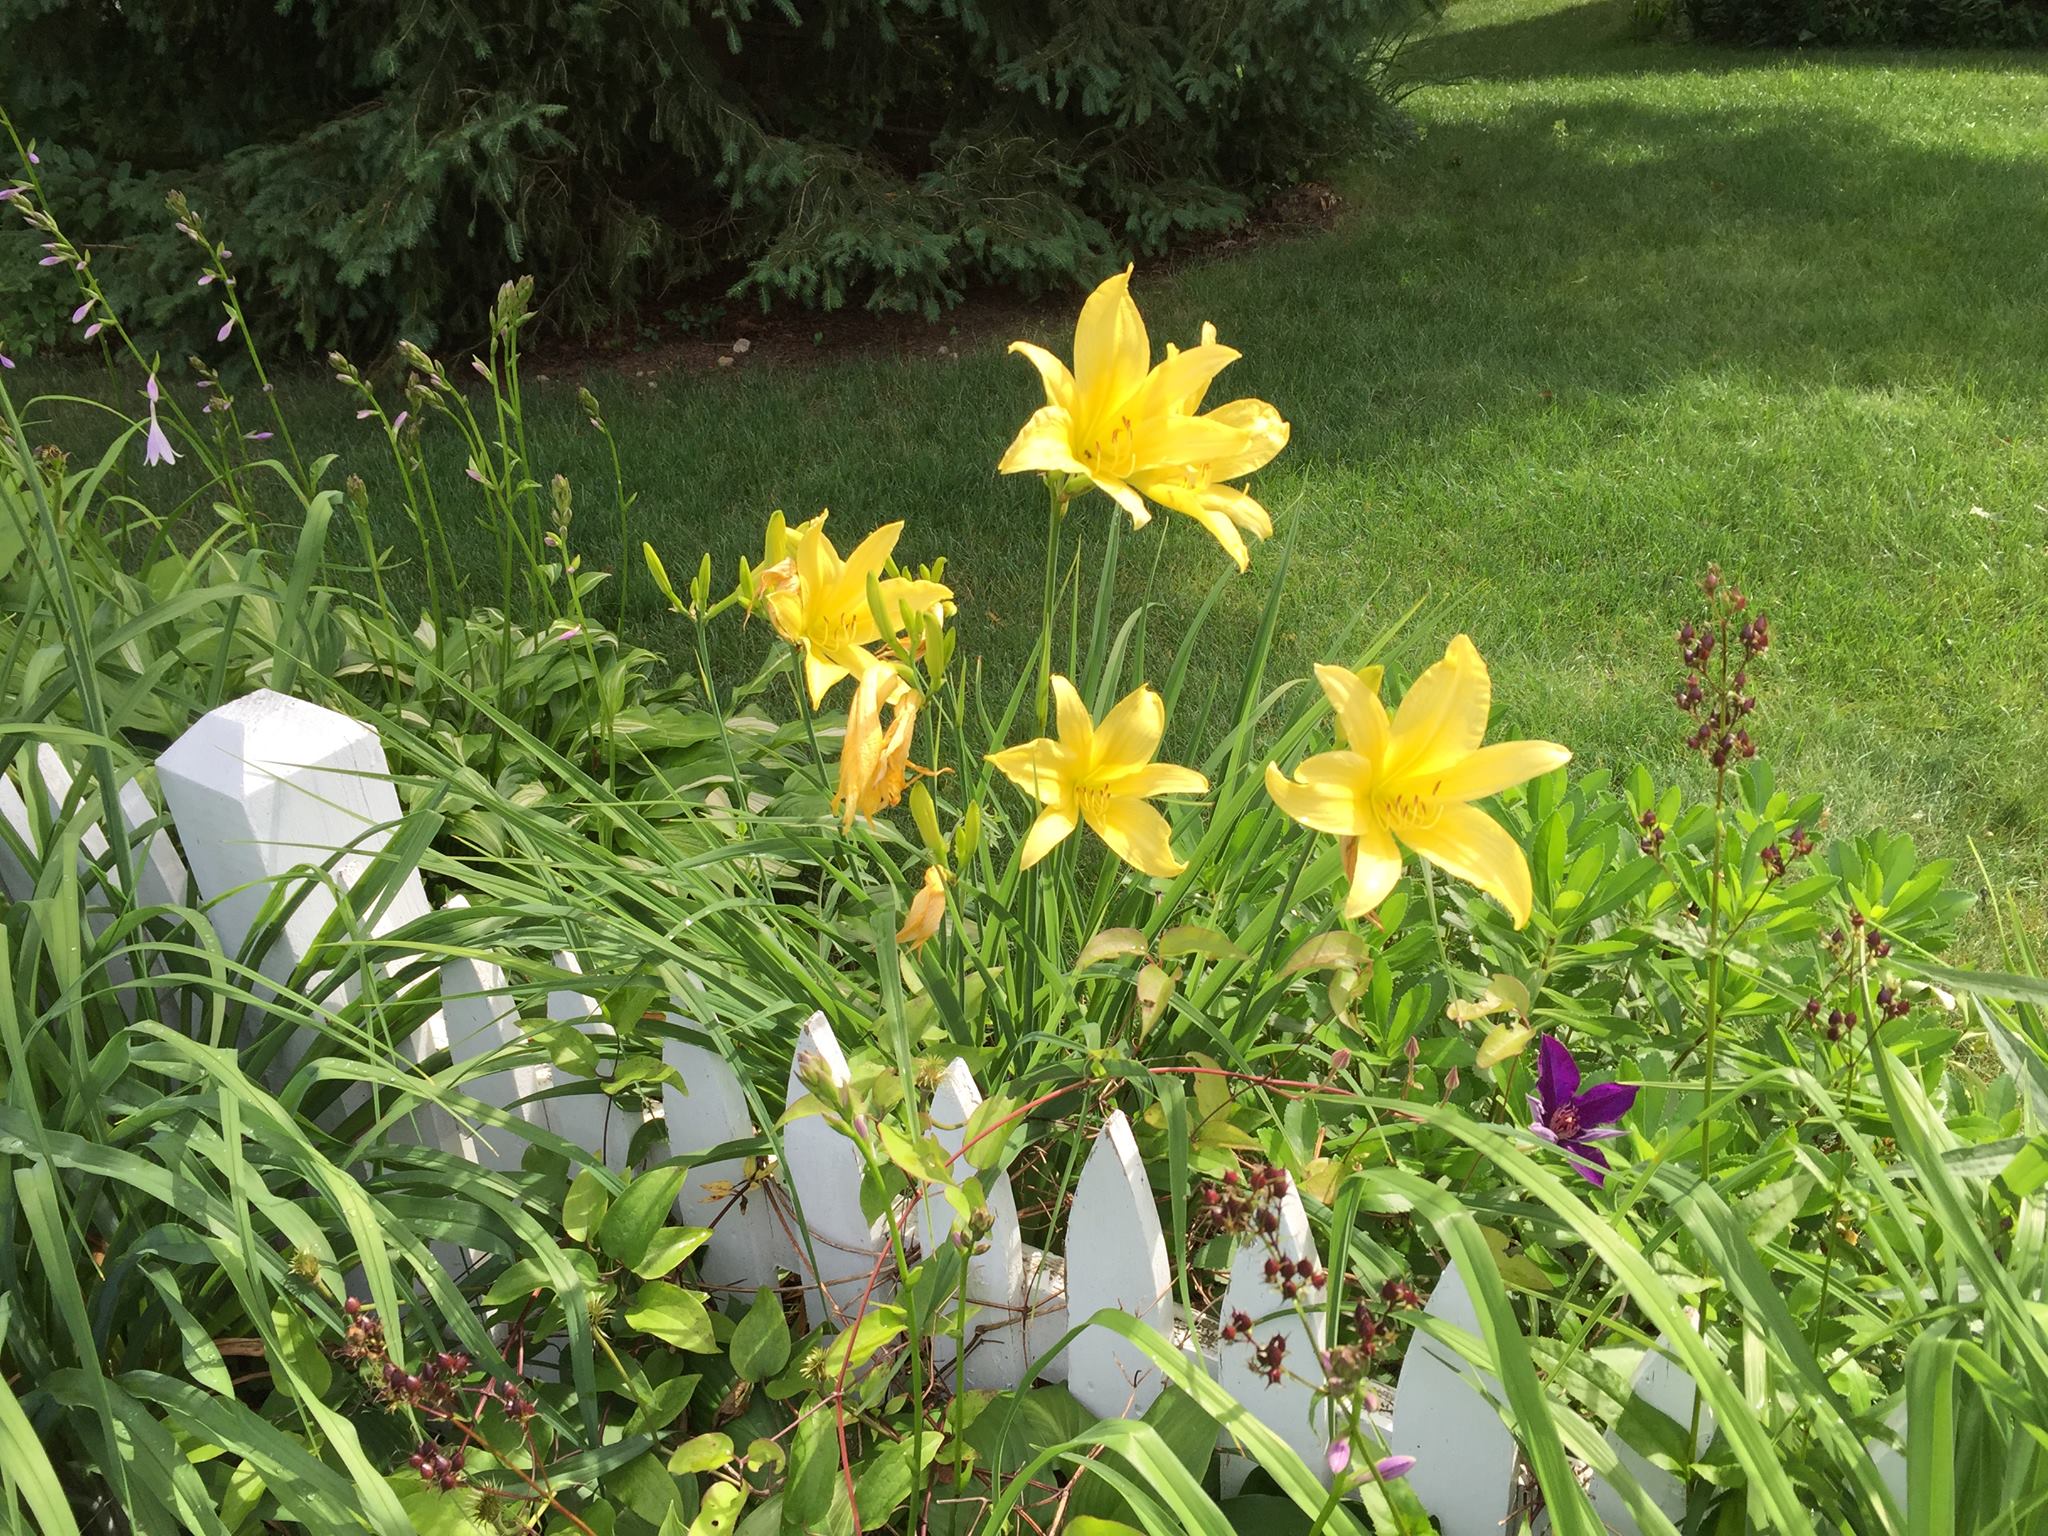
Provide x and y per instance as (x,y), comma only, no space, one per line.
(1627,307)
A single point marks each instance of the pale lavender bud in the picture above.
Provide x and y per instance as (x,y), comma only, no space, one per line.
(7,194)
(94,329)
(51,261)
(226,330)
(1391,1469)
(6,361)
(365,414)
(259,437)
(474,473)
(398,421)
(481,371)
(1339,1457)
(149,389)
(81,312)
(34,158)
(205,278)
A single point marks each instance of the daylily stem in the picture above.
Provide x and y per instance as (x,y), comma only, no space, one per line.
(1058,504)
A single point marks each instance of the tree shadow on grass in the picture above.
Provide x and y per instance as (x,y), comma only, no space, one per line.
(1602,38)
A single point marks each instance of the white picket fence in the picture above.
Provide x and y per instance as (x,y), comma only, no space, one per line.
(266,790)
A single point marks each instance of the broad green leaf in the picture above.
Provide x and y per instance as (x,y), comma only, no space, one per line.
(584,1206)
(704,1453)
(673,1315)
(760,1344)
(628,1227)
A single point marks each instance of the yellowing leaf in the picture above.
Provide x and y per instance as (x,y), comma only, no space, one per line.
(1196,939)
(1110,944)
(1504,1041)
(1327,951)
(705,1453)
(1501,992)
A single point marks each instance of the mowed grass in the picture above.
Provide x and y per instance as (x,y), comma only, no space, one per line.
(1627,307)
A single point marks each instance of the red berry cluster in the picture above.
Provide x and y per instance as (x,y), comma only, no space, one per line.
(1348,1367)
(441,1468)
(1722,705)
(363,1339)
(1652,840)
(432,1387)
(1291,1277)
(1778,855)
(1245,1204)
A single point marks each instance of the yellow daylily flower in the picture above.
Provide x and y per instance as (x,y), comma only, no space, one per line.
(777,570)
(874,760)
(825,609)
(1412,780)
(1102,774)
(1136,431)
(927,908)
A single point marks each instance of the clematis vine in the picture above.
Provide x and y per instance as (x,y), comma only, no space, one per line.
(156,447)
(1574,1118)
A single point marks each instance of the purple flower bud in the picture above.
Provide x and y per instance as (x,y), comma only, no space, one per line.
(34,158)
(149,389)
(6,361)
(205,278)
(365,413)
(1340,1457)
(226,330)
(398,421)
(8,193)
(259,437)
(1391,1469)
(81,312)
(94,329)
(51,261)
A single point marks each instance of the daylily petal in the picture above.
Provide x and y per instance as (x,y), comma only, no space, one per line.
(1043,769)
(1194,503)
(1165,442)
(927,910)
(822,674)
(1374,875)
(1355,696)
(1111,350)
(1054,826)
(869,558)
(1045,443)
(1472,846)
(1493,769)
(1128,736)
(817,564)
(1240,508)
(1265,433)
(1325,794)
(1557,1072)
(1605,1103)
(1444,713)
(1052,373)
(1076,725)
(1135,833)
(1125,496)
(1186,375)
(1159,779)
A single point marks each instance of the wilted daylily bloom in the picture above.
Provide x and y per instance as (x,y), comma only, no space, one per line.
(874,761)
(927,909)
(825,611)
(1411,780)
(1574,1119)
(1135,431)
(1103,775)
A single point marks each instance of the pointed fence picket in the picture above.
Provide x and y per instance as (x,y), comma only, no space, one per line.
(271,792)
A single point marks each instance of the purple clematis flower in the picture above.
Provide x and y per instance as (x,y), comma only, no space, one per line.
(1574,1120)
